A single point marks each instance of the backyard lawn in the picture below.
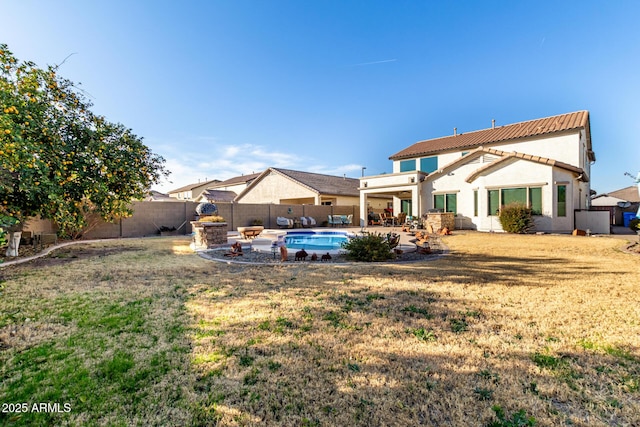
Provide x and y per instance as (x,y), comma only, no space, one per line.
(505,329)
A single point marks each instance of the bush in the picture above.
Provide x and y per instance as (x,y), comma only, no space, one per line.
(516,218)
(634,224)
(370,247)
(256,222)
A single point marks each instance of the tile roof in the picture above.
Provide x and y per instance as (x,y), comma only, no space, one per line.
(237,180)
(324,184)
(219,195)
(190,187)
(630,194)
(545,126)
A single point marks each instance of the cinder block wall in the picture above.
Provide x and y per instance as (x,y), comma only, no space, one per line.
(149,217)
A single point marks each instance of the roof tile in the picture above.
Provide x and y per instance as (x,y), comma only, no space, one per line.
(548,125)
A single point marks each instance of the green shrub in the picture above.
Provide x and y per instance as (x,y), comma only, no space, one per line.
(518,419)
(634,224)
(516,218)
(369,247)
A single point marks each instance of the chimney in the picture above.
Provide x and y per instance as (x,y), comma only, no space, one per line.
(493,124)
(455,131)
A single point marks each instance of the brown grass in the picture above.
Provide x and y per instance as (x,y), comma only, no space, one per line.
(546,324)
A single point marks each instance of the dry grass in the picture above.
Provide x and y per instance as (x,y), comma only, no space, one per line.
(546,324)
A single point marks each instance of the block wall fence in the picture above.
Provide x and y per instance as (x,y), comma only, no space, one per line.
(149,217)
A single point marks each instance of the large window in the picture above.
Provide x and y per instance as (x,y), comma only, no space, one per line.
(528,196)
(493,202)
(561,200)
(446,202)
(429,164)
(408,165)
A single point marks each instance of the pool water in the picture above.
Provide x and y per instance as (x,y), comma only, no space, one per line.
(317,241)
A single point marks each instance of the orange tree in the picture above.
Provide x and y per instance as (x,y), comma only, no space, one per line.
(58,159)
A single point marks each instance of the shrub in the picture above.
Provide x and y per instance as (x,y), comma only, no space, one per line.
(257,221)
(516,218)
(368,248)
(634,224)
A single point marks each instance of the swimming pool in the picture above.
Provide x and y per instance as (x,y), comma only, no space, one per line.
(316,240)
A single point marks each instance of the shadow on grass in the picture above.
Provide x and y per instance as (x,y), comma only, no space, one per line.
(308,345)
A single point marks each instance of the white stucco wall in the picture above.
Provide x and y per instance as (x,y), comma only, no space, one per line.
(273,188)
(513,174)
(567,147)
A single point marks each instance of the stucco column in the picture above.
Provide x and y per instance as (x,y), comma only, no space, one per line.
(363,209)
(415,202)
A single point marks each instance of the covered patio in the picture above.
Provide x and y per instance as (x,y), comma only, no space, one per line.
(403,188)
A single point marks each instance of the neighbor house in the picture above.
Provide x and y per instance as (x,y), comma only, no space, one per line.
(237,184)
(284,186)
(192,191)
(543,163)
(617,203)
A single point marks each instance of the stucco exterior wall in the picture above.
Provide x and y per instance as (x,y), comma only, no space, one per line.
(567,147)
(273,188)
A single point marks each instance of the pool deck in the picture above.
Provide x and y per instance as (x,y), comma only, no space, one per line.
(263,241)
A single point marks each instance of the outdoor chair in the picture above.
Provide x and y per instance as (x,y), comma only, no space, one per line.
(284,222)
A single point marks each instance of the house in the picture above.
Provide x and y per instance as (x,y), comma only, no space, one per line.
(543,163)
(237,184)
(214,196)
(284,186)
(156,196)
(192,191)
(617,203)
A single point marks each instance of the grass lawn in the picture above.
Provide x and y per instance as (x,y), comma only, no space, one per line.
(144,332)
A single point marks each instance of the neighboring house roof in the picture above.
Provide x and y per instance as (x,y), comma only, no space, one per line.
(629,194)
(218,195)
(531,128)
(605,200)
(190,187)
(237,180)
(156,196)
(318,183)
(323,184)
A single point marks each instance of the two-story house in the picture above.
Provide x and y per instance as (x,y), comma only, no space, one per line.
(543,163)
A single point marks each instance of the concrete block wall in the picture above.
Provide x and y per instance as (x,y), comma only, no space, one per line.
(148,217)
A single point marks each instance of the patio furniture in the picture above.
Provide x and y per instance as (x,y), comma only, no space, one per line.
(284,222)
(402,217)
(346,219)
(334,220)
(312,221)
(250,232)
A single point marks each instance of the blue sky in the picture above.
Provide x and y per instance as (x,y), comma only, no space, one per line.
(223,88)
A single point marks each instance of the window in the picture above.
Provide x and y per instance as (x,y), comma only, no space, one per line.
(446,202)
(535,200)
(408,165)
(493,204)
(528,196)
(429,164)
(475,202)
(561,200)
